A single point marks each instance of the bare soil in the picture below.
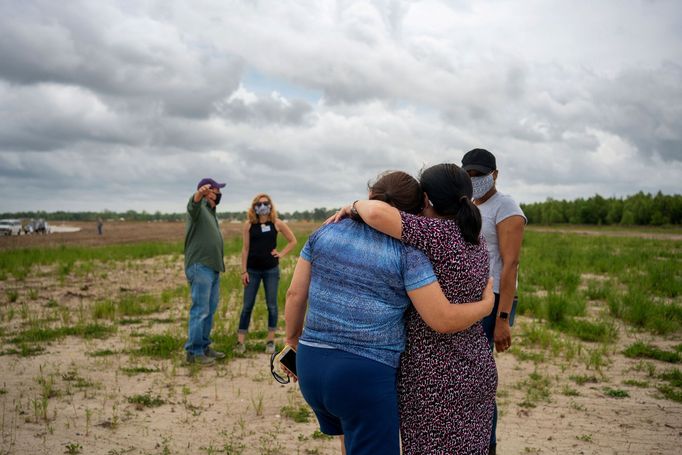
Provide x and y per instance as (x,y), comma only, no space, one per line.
(236,407)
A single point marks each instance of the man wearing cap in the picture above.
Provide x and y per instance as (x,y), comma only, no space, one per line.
(503,222)
(203,264)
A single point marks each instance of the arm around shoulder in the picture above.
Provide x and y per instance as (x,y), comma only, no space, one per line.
(444,317)
(381,216)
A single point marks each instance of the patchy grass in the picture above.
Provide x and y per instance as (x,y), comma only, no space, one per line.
(102,353)
(163,346)
(644,350)
(146,401)
(616,393)
(600,331)
(674,377)
(671,393)
(537,388)
(299,414)
(584,379)
(47,334)
(131,371)
(25,350)
(636,383)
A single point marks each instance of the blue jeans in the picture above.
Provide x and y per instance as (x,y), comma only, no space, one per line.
(489,329)
(204,283)
(270,278)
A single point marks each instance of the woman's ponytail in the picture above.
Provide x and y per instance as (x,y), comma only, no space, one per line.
(469,220)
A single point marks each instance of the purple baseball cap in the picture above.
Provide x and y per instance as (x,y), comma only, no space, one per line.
(209,181)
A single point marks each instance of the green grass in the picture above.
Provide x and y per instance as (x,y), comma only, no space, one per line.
(636,383)
(600,331)
(132,371)
(102,353)
(128,305)
(17,262)
(317,434)
(644,350)
(47,334)
(584,379)
(674,377)
(615,393)
(640,280)
(25,350)
(163,346)
(299,414)
(146,401)
(671,393)
(12,295)
(537,388)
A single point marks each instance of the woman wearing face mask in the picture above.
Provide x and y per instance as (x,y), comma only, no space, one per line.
(503,224)
(260,262)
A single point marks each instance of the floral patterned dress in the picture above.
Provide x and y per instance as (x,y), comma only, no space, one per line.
(447,382)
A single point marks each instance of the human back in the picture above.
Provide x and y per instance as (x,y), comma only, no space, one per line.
(357,296)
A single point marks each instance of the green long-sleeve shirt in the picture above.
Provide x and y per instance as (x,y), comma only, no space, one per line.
(203,240)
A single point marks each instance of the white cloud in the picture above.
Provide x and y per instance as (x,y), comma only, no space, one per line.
(308,100)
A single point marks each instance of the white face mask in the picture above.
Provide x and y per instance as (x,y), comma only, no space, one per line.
(262,210)
(482,185)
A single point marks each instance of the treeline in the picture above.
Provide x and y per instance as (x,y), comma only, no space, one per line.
(639,209)
(317,215)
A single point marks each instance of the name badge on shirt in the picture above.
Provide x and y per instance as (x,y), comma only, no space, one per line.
(265,228)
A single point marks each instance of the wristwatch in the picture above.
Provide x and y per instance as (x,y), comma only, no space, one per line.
(503,315)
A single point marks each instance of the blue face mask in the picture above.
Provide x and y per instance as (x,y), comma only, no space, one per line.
(482,185)
(217,198)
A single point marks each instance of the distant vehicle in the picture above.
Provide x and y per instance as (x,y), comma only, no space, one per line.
(41,227)
(38,226)
(10,227)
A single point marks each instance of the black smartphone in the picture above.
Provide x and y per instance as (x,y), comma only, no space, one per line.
(287,357)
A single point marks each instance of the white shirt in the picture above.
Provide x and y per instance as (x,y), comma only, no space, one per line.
(493,211)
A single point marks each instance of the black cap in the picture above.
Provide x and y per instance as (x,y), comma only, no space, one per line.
(479,160)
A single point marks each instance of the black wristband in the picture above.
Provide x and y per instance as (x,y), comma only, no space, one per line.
(503,315)
(354,215)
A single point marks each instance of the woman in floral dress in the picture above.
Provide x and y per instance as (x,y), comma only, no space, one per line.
(446,382)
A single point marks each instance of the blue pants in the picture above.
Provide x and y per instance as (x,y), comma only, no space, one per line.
(270,278)
(353,396)
(204,283)
(489,329)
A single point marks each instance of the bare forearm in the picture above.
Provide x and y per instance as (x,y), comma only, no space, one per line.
(461,317)
(287,249)
(507,287)
(245,255)
(381,217)
(444,317)
(294,315)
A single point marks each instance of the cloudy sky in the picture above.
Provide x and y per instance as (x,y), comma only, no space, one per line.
(127,104)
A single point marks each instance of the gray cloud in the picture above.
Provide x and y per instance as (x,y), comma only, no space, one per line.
(141,100)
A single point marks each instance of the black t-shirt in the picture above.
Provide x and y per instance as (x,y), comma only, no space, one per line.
(262,240)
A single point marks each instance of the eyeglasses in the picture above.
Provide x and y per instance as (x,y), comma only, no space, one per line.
(279,378)
(261,204)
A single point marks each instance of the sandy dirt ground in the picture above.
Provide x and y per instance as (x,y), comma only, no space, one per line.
(65,400)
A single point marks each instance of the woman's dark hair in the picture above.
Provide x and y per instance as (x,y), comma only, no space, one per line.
(449,189)
(398,189)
